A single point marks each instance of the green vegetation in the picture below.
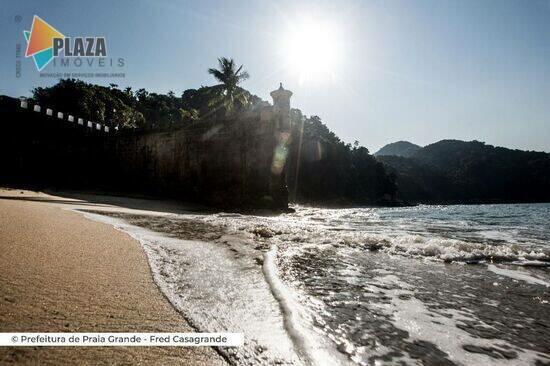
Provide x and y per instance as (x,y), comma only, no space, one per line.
(228,94)
(399,148)
(325,170)
(141,109)
(321,168)
(453,171)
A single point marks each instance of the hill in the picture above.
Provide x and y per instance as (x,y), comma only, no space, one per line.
(453,171)
(400,148)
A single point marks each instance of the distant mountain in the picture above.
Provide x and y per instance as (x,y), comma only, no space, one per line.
(453,171)
(400,148)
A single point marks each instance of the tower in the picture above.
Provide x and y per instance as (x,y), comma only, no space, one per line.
(281,107)
(282,139)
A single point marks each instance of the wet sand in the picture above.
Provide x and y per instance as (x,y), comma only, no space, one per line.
(60,272)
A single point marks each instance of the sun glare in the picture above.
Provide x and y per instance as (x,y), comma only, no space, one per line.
(313,50)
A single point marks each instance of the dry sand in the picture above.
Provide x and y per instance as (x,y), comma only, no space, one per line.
(60,272)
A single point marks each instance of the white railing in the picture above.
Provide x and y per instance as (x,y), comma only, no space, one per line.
(70,118)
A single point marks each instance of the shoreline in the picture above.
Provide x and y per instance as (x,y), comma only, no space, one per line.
(190,256)
(60,271)
(182,253)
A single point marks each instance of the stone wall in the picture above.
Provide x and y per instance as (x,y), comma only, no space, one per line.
(225,163)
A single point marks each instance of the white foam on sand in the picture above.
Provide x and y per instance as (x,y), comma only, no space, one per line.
(517,275)
(312,345)
(421,323)
(217,291)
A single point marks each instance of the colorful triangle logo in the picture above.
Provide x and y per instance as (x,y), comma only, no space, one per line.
(40,42)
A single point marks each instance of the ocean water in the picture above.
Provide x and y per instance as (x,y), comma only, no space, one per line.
(425,285)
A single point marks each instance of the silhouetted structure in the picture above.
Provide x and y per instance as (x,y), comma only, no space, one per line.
(229,162)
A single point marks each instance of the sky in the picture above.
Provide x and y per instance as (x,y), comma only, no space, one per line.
(383,70)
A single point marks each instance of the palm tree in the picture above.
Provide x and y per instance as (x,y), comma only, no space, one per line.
(228,92)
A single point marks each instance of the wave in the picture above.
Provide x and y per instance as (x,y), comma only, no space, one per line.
(448,240)
(452,250)
(217,290)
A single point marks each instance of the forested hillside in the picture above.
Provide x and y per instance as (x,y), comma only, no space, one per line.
(460,171)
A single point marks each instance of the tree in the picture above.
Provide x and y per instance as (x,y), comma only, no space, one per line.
(227,94)
(324,169)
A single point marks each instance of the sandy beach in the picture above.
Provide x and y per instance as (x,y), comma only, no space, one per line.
(389,293)
(60,272)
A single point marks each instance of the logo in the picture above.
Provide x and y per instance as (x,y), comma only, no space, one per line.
(44,43)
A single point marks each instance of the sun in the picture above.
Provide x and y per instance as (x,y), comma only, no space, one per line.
(313,50)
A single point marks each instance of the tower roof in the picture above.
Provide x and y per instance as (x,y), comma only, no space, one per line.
(281,92)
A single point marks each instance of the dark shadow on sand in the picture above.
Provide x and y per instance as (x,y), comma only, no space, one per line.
(144,203)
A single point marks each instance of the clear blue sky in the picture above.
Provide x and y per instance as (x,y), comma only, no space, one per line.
(414,70)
